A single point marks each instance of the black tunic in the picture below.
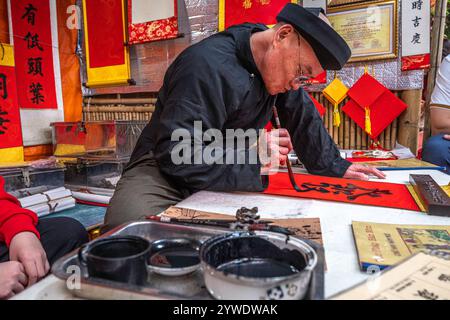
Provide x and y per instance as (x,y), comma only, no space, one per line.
(217,82)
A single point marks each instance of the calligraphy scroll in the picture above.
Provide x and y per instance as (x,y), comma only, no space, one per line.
(33,50)
(380,194)
(415,34)
(151,20)
(233,12)
(11,149)
(107,56)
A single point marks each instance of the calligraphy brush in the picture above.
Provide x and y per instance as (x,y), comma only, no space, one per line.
(288,162)
(222,224)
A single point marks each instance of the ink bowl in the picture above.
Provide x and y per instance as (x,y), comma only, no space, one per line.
(257,265)
(174,256)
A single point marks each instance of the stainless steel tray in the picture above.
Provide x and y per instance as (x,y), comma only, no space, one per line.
(157,287)
(190,287)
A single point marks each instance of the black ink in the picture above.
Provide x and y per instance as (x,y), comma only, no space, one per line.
(35,90)
(416,38)
(33,41)
(3,120)
(35,66)
(350,190)
(30,14)
(416,21)
(417,4)
(3,89)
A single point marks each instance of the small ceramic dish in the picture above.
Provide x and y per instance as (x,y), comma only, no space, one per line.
(174,257)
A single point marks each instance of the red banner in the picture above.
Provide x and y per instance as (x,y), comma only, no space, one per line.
(33,53)
(233,12)
(379,194)
(10,127)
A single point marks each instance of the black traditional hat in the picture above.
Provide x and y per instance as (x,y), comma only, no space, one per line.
(329,47)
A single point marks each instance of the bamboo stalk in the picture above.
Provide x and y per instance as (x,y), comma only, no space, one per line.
(347,132)
(125,101)
(394,133)
(387,138)
(352,135)
(122,109)
(358,137)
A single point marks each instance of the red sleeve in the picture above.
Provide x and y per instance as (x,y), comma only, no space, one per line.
(13,218)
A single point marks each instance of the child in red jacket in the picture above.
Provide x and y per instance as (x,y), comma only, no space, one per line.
(29,246)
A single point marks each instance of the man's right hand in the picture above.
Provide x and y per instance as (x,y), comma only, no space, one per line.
(12,279)
(274,148)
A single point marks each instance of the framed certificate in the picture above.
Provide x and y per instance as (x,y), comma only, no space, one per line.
(370,29)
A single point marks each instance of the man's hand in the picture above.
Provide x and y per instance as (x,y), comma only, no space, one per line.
(361,172)
(26,248)
(12,279)
(274,148)
(447,136)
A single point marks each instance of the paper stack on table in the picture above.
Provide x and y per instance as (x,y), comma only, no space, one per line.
(48,202)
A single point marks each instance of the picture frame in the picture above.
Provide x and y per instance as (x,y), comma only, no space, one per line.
(370,29)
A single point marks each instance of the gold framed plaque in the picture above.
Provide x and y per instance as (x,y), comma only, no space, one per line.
(370,29)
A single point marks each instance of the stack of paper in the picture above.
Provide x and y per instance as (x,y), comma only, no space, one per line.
(50,201)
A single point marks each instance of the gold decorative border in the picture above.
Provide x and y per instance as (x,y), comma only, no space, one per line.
(394,27)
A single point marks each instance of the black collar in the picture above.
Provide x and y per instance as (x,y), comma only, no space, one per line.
(241,34)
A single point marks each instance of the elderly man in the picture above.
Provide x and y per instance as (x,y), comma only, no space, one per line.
(231,80)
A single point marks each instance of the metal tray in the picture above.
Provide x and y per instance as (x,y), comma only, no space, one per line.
(190,287)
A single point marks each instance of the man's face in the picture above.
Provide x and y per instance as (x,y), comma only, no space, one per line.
(289,57)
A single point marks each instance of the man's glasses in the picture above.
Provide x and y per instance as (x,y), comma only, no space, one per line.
(300,79)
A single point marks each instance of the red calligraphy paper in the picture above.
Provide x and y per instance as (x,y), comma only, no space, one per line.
(233,12)
(10,127)
(105,31)
(33,52)
(379,194)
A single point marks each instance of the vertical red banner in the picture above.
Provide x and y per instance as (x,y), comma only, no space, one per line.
(10,127)
(33,53)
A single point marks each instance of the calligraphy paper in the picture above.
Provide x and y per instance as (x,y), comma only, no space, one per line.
(33,51)
(107,56)
(233,12)
(11,144)
(415,34)
(421,277)
(380,194)
(152,20)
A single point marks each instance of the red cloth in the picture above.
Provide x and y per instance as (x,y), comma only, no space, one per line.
(320,108)
(13,218)
(384,106)
(382,194)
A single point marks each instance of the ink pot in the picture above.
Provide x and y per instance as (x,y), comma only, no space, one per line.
(257,265)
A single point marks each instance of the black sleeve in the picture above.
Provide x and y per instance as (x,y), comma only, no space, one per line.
(312,143)
(198,92)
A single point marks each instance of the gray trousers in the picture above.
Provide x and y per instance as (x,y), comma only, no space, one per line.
(141,191)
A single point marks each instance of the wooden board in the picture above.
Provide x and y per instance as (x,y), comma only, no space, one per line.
(308,228)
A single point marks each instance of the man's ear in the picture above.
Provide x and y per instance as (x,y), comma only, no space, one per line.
(284,31)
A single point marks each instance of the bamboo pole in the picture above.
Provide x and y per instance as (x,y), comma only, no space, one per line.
(125,101)
(409,120)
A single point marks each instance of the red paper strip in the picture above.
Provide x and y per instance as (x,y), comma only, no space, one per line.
(105,28)
(33,52)
(233,12)
(162,29)
(379,194)
(10,127)
(421,61)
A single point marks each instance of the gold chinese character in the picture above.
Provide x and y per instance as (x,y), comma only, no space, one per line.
(264,2)
(247,4)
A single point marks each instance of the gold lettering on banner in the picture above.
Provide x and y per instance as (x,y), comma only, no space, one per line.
(247,4)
